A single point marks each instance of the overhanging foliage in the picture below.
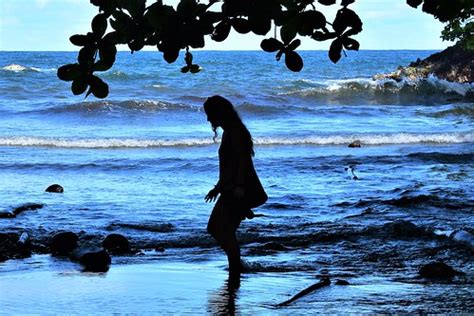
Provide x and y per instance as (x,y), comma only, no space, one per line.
(171,29)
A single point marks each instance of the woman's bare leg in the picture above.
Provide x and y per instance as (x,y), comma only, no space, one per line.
(222,225)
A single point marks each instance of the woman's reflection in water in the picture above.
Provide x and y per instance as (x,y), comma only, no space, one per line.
(222,301)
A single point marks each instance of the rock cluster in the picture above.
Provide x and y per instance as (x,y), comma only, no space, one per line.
(94,258)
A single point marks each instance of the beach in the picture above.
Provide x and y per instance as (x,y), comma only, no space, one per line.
(140,162)
(44,286)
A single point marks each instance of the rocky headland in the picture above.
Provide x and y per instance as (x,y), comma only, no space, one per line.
(454,64)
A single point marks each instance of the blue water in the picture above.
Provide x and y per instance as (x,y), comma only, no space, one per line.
(145,155)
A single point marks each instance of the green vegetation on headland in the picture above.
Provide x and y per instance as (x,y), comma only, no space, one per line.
(171,30)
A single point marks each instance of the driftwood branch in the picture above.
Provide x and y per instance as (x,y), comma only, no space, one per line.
(322,283)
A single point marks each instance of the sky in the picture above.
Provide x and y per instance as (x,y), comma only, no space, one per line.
(46,25)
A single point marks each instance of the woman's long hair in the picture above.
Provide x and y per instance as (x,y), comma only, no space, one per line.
(220,106)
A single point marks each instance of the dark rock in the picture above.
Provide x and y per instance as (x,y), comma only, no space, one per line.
(7,214)
(408,201)
(342,282)
(11,248)
(404,229)
(55,188)
(437,270)
(116,244)
(63,243)
(274,246)
(453,64)
(94,259)
(159,249)
(27,207)
(463,237)
(157,228)
(355,144)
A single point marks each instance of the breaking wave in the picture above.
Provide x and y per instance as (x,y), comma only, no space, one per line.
(372,140)
(20,68)
(382,91)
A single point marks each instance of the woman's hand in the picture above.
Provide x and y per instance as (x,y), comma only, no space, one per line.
(212,195)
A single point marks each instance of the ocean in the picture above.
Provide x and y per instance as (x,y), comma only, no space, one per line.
(141,161)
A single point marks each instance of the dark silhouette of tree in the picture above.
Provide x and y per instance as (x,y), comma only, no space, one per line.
(172,29)
(458,16)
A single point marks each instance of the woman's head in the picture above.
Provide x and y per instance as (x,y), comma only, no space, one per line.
(220,111)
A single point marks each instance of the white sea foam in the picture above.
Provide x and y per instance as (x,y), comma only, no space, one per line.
(15,68)
(25,141)
(373,140)
(446,86)
(370,139)
(20,68)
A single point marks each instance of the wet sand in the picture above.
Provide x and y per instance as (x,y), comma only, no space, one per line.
(43,285)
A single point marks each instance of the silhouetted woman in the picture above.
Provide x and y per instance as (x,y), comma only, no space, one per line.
(238,186)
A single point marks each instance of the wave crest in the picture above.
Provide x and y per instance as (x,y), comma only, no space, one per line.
(24,141)
(114,106)
(383,91)
(20,68)
(369,139)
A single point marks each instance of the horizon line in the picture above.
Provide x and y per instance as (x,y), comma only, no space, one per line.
(230,50)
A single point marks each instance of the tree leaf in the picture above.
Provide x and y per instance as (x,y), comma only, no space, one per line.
(170,55)
(335,50)
(350,44)
(271,45)
(294,45)
(429,6)
(86,55)
(136,8)
(106,6)
(345,3)
(260,25)
(78,40)
(221,31)
(99,25)
(98,87)
(242,26)
(327,2)
(279,54)
(186,8)
(122,21)
(293,61)
(79,85)
(102,65)
(195,68)
(194,35)
(288,32)
(309,21)
(346,18)
(69,72)
(108,52)
(321,36)
(158,14)
(137,43)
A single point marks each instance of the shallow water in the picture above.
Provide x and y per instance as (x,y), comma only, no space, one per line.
(52,286)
